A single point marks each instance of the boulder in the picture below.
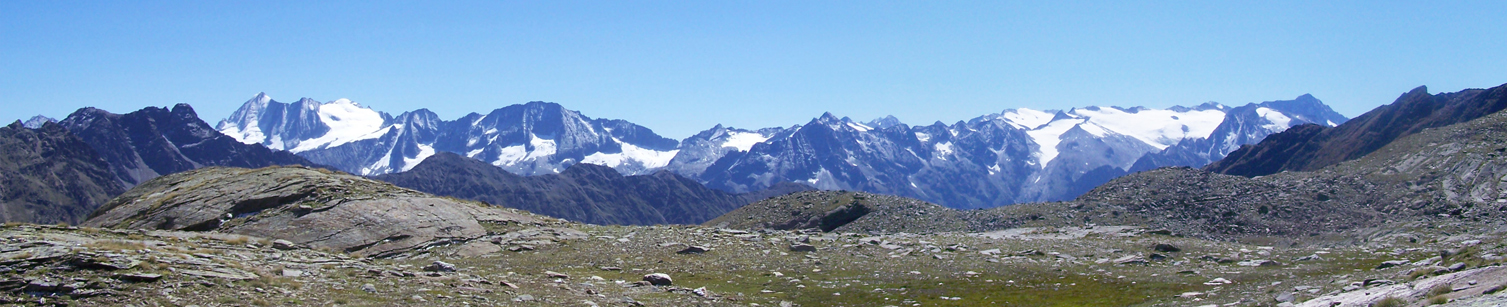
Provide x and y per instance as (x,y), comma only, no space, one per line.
(283,244)
(693,249)
(1286,297)
(658,279)
(799,247)
(1166,248)
(1132,259)
(440,266)
(1391,263)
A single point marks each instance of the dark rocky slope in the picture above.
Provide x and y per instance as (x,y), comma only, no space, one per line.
(309,207)
(1313,147)
(48,175)
(583,192)
(155,141)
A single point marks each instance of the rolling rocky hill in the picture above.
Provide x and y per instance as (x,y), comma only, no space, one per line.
(1314,148)
(48,175)
(308,207)
(583,192)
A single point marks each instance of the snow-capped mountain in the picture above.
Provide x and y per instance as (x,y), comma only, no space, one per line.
(1018,155)
(527,139)
(701,150)
(1248,124)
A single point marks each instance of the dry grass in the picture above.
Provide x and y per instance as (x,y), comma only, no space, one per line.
(117,245)
(1390,302)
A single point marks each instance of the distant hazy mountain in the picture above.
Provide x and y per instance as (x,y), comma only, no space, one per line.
(1018,155)
(582,192)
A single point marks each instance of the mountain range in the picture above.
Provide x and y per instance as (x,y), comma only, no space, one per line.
(1018,155)
(1315,147)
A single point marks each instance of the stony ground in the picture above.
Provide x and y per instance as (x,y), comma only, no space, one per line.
(586,265)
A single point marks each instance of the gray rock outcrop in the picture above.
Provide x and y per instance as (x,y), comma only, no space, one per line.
(308,207)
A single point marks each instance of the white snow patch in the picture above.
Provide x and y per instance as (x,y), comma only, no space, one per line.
(348,122)
(648,158)
(514,154)
(1049,136)
(252,134)
(510,155)
(473,152)
(922,136)
(542,147)
(860,127)
(276,143)
(994,169)
(1278,121)
(1332,124)
(1093,129)
(943,149)
(1026,118)
(743,141)
(424,152)
(1158,128)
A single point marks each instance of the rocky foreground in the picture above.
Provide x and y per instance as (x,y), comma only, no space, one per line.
(585,265)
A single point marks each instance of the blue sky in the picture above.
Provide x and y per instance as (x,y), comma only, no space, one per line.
(683,66)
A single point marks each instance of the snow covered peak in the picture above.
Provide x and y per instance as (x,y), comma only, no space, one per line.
(261,98)
(37,122)
(1158,128)
(884,122)
(347,122)
(1026,118)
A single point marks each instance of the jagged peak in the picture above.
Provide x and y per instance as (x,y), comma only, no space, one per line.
(827,117)
(308,102)
(260,97)
(37,121)
(184,109)
(1061,115)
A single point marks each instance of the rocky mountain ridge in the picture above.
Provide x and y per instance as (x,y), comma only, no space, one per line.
(154,141)
(1014,156)
(1317,147)
(48,175)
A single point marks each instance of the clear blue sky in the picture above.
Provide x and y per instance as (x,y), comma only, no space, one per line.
(681,67)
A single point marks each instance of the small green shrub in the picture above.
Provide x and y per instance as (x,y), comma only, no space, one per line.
(1440,289)
(1390,302)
